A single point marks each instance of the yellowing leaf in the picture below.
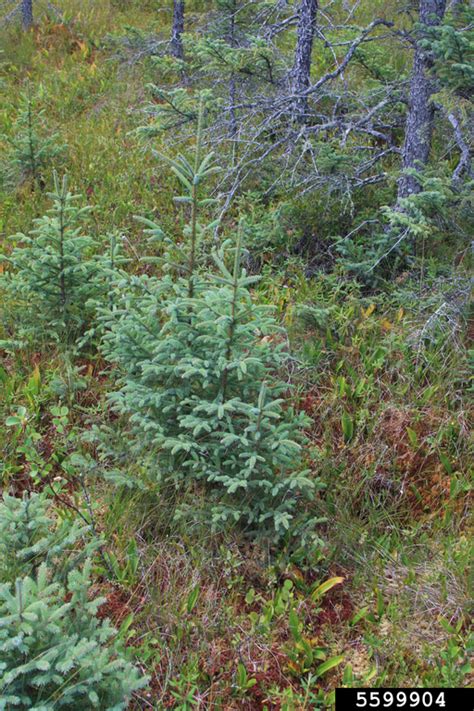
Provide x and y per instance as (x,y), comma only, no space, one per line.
(368,311)
(386,325)
(400,314)
(36,376)
(294,666)
(81,46)
(325,587)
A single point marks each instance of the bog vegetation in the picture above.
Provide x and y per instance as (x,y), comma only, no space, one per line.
(235,250)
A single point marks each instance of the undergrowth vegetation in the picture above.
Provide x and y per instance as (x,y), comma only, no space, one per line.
(54,650)
(235,431)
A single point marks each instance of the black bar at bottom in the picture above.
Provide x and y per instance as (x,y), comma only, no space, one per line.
(416,699)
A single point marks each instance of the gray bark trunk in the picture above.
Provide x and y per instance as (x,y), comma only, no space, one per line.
(27,14)
(302,63)
(464,165)
(419,123)
(177,30)
(232,86)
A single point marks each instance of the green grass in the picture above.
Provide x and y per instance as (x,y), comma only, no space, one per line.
(212,618)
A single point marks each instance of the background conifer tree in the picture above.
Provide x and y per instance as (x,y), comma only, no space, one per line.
(54,283)
(227,62)
(31,148)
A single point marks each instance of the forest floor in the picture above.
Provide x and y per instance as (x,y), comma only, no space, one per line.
(217,622)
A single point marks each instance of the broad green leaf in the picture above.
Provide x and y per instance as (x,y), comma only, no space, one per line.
(347,427)
(192,598)
(329,664)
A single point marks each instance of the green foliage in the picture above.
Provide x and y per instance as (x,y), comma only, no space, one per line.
(374,357)
(54,277)
(54,651)
(31,149)
(134,44)
(242,681)
(26,458)
(56,654)
(218,65)
(452,46)
(30,536)
(200,386)
(199,361)
(453,666)
(268,232)
(187,255)
(171,109)
(416,225)
(215,55)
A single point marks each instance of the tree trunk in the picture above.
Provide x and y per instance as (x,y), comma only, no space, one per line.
(177,30)
(419,123)
(232,84)
(27,14)
(302,63)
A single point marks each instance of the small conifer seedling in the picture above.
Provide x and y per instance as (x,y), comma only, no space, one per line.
(200,363)
(55,280)
(31,148)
